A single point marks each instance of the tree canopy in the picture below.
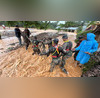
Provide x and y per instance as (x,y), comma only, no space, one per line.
(36,24)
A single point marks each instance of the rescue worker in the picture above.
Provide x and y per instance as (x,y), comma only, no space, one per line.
(26,39)
(86,48)
(35,43)
(18,34)
(27,31)
(55,50)
(49,42)
(66,46)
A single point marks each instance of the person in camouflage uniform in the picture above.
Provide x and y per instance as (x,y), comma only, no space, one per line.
(35,43)
(66,46)
(55,50)
(49,42)
(27,31)
(26,39)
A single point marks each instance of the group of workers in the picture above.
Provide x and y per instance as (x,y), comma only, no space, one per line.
(25,34)
(60,53)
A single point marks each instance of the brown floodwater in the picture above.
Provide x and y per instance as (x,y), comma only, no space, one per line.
(21,63)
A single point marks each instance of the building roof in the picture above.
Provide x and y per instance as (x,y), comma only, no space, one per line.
(69,28)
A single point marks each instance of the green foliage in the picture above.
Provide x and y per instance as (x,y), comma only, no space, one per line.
(91,23)
(52,25)
(2,22)
(91,62)
(26,23)
(42,25)
(10,23)
(82,34)
(89,65)
(79,30)
(30,24)
(70,24)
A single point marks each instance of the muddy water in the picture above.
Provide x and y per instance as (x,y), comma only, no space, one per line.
(21,63)
(6,43)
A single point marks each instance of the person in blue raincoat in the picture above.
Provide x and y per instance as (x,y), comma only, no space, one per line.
(86,48)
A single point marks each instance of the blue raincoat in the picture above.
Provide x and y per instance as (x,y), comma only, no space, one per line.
(90,45)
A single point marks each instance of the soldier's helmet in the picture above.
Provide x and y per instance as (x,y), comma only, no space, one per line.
(56,41)
(65,36)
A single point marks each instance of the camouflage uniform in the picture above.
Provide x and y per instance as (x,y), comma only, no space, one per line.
(26,39)
(27,31)
(55,51)
(49,43)
(66,46)
(35,46)
(55,61)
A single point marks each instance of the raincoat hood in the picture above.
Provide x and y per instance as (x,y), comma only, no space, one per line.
(90,45)
(90,37)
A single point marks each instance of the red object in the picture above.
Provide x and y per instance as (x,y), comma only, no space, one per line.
(3,27)
(79,43)
(55,56)
(67,49)
(56,50)
(35,46)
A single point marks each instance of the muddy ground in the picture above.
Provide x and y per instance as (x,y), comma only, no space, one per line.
(21,63)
